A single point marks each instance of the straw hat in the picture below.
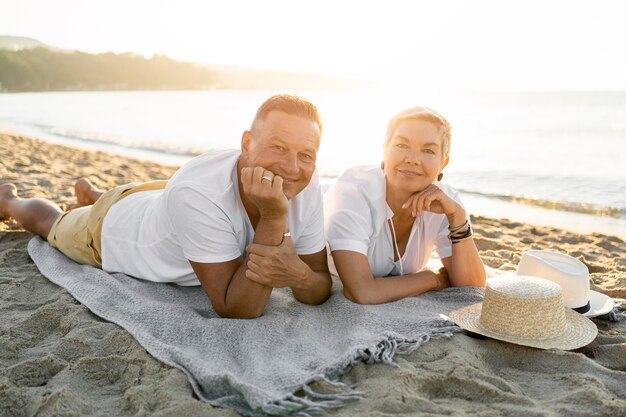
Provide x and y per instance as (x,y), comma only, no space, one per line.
(573,277)
(526,311)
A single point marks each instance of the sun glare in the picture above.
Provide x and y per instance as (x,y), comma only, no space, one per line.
(456,44)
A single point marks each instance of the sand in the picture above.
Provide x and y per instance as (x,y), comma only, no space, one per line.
(57,358)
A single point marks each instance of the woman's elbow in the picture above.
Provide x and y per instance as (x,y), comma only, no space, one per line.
(359,297)
(476,279)
(481,277)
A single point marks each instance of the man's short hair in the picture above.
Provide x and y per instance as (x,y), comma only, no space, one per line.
(290,104)
(426,114)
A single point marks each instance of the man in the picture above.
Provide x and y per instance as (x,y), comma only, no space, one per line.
(239,223)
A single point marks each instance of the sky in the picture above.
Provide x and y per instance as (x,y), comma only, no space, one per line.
(477,45)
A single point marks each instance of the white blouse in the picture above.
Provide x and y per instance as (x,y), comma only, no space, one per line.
(356,219)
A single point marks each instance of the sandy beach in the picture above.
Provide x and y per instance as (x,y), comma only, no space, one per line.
(59,359)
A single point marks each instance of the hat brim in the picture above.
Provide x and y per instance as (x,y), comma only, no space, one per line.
(600,304)
(579,330)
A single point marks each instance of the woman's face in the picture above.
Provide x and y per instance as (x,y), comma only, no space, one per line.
(413,156)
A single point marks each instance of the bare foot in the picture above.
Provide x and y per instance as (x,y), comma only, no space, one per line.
(86,193)
(7,192)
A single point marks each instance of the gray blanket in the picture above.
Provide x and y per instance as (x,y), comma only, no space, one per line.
(263,366)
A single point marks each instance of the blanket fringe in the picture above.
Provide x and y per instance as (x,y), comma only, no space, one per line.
(314,403)
(394,345)
(617,314)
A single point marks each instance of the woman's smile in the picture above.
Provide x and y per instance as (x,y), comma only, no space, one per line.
(410,173)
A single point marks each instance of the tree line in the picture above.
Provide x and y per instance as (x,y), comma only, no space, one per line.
(40,69)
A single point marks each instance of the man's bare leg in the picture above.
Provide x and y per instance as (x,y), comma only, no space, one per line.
(86,193)
(36,215)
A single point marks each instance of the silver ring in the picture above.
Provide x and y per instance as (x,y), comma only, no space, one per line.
(286,234)
(266,178)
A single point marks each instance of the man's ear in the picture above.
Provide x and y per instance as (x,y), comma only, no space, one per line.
(245,141)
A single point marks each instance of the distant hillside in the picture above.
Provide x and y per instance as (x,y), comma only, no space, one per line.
(41,69)
(16,43)
(29,65)
(248,78)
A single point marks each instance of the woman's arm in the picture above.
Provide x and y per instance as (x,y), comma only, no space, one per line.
(360,286)
(464,267)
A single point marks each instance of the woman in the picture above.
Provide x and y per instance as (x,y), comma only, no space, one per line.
(382,222)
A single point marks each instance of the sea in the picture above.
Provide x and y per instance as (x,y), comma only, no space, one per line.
(545,158)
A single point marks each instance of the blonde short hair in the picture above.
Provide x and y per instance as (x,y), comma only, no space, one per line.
(421,113)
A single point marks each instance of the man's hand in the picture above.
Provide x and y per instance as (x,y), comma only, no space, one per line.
(265,190)
(276,266)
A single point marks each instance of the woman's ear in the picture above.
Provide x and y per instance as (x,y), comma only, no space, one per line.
(443,165)
(445,162)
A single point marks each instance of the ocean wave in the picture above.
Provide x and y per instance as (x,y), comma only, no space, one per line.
(329,175)
(107,139)
(328,178)
(574,207)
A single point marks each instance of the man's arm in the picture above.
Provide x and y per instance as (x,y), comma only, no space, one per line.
(315,289)
(231,293)
(280,266)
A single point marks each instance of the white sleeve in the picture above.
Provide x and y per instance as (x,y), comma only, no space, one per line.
(203,230)
(442,243)
(347,225)
(311,240)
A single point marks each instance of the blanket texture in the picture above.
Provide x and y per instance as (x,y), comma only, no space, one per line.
(262,366)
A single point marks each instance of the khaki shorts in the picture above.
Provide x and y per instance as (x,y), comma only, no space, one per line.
(77,232)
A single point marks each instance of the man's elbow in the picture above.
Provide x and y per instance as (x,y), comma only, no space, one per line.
(313,301)
(233,313)
(316,293)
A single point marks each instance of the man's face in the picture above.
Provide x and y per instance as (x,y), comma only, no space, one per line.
(286,145)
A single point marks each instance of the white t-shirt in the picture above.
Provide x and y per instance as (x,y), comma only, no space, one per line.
(357,217)
(198,217)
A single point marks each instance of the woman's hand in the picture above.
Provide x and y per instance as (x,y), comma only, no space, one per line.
(442,279)
(433,199)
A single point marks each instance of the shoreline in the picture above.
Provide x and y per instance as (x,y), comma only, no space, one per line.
(57,358)
(479,205)
(572,221)
(32,173)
